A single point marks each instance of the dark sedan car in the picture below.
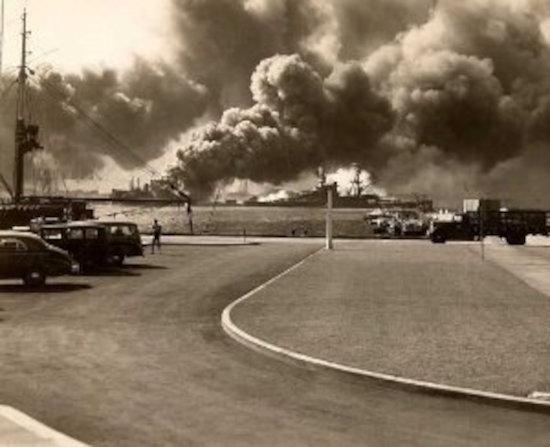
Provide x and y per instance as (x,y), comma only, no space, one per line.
(27,256)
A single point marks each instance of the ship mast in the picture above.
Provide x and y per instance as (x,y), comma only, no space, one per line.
(358,187)
(26,135)
(2,37)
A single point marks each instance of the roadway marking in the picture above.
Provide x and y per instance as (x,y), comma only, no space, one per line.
(265,347)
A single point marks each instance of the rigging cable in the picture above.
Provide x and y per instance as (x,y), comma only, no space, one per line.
(108,136)
(112,141)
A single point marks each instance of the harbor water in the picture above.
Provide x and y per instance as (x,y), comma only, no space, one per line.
(238,220)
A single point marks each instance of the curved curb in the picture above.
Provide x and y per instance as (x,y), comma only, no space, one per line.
(206,244)
(42,433)
(218,243)
(267,348)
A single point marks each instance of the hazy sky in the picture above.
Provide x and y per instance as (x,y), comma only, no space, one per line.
(70,34)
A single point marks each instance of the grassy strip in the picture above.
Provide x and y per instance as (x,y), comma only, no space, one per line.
(435,313)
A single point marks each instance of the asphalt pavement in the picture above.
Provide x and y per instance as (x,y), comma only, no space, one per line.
(137,357)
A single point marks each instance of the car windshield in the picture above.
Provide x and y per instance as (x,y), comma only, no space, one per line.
(52,234)
(14,243)
(92,233)
(34,244)
(75,233)
(123,230)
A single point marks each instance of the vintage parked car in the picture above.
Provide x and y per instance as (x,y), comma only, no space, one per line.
(25,255)
(412,223)
(384,224)
(123,240)
(85,241)
(94,242)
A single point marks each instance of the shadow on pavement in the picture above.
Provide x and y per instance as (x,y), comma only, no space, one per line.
(108,271)
(143,267)
(48,288)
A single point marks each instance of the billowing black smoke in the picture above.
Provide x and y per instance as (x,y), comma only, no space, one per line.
(94,114)
(143,109)
(363,26)
(466,82)
(298,122)
(439,97)
(222,41)
(216,45)
(470,89)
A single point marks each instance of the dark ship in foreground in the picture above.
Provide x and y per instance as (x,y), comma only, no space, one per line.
(20,213)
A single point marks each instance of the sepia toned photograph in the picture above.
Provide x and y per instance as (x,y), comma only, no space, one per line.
(274,223)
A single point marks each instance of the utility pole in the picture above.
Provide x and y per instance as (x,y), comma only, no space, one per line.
(328,230)
(26,135)
(481,214)
(19,118)
(2,37)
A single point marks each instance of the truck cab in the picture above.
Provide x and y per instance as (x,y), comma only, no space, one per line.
(511,225)
(460,228)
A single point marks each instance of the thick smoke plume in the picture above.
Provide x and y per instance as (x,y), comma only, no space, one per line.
(216,45)
(81,115)
(466,83)
(299,121)
(222,41)
(439,97)
(143,109)
(470,89)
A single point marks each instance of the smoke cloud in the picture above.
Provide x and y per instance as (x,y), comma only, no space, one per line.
(222,41)
(363,26)
(426,95)
(471,94)
(141,110)
(448,97)
(298,122)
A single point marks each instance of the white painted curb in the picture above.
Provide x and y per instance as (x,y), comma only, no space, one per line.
(40,430)
(265,347)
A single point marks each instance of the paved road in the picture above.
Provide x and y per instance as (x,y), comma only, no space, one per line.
(138,358)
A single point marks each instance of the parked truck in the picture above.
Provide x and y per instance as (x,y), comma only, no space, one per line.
(512,225)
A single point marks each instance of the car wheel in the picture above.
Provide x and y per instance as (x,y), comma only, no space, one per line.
(438,239)
(34,278)
(516,239)
(118,259)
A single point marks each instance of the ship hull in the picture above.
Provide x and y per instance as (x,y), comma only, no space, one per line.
(20,214)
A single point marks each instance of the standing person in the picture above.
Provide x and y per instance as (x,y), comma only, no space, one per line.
(157,229)
(190,217)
